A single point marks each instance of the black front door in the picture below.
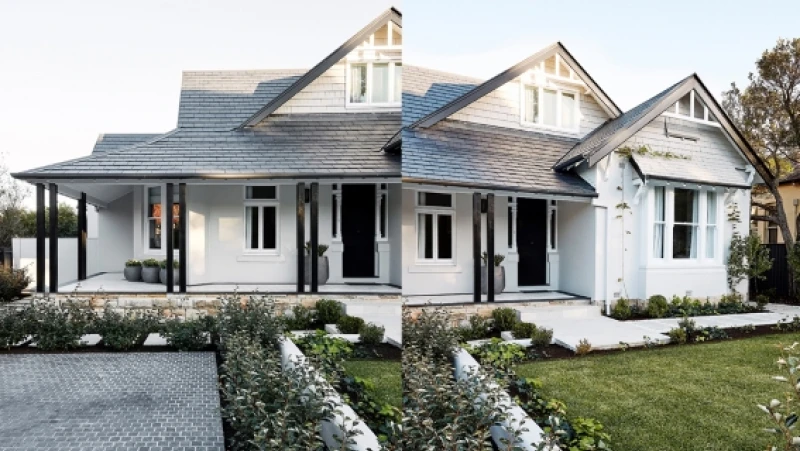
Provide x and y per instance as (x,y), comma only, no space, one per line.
(532,241)
(358,230)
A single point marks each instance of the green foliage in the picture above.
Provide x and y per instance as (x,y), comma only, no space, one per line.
(498,259)
(301,318)
(584,347)
(163,264)
(498,353)
(350,324)
(688,332)
(478,328)
(321,345)
(430,334)
(677,335)
(133,263)
(124,332)
(627,152)
(12,283)
(321,248)
(58,327)
(67,222)
(783,414)
(621,310)
(657,306)
(523,330)
(150,263)
(541,337)
(748,259)
(380,417)
(189,335)
(328,311)
(255,319)
(371,334)
(504,318)
(14,327)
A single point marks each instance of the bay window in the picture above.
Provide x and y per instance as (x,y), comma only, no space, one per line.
(680,230)
(550,107)
(435,227)
(261,219)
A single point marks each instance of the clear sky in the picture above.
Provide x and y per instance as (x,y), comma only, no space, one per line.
(72,70)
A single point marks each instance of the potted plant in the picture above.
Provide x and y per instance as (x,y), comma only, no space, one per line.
(499,274)
(322,264)
(150,270)
(163,272)
(133,270)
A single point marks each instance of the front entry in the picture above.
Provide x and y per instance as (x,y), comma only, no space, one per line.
(358,230)
(532,241)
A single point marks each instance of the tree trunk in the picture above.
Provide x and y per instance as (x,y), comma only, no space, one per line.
(783,225)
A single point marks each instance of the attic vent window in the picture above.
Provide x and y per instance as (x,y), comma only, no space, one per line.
(691,107)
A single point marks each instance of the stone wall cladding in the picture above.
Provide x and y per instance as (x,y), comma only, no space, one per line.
(458,313)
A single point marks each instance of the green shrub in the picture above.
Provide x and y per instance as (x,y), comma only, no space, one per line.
(657,306)
(761,301)
(320,345)
(121,332)
(350,324)
(59,327)
(498,353)
(541,337)
(12,283)
(189,335)
(328,311)
(371,334)
(132,263)
(257,319)
(677,335)
(430,334)
(477,329)
(379,417)
(15,326)
(504,318)
(621,310)
(301,318)
(523,330)
(163,264)
(151,263)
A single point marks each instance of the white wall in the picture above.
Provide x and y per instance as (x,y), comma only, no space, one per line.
(24,250)
(114,233)
(576,246)
(395,232)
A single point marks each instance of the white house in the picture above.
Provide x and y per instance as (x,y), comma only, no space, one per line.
(539,165)
(260,162)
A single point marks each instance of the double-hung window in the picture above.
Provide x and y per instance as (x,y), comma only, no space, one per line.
(711,224)
(261,219)
(435,227)
(685,224)
(684,229)
(550,107)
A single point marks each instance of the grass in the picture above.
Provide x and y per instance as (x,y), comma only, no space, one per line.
(385,376)
(700,397)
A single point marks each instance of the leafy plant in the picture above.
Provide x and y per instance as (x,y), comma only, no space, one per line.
(677,335)
(133,263)
(477,329)
(15,326)
(430,334)
(621,310)
(151,263)
(371,334)
(321,248)
(163,264)
(504,318)
(256,318)
(189,335)
(657,306)
(584,347)
(12,283)
(350,324)
(328,311)
(498,353)
(541,337)
(301,318)
(380,417)
(123,332)
(783,414)
(523,330)
(748,259)
(58,327)
(498,259)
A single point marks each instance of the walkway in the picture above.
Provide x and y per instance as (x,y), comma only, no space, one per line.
(386,313)
(534,296)
(100,401)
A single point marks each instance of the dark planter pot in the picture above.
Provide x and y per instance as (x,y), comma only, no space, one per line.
(163,276)
(133,273)
(322,270)
(150,275)
(499,280)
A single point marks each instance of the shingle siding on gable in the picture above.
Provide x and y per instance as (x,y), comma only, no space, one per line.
(501,108)
(326,94)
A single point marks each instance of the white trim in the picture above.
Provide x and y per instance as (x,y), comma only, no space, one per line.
(560,91)
(369,104)
(512,223)
(147,218)
(337,194)
(435,212)
(260,204)
(379,193)
(552,232)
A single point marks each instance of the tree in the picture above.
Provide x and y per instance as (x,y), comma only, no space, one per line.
(67,222)
(12,196)
(767,112)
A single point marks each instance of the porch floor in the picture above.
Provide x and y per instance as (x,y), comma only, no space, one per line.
(534,296)
(116,283)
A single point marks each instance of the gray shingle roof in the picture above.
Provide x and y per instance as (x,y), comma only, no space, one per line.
(426,90)
(115,141)
(345,144)
(600,136)
(222,100)
(468,154)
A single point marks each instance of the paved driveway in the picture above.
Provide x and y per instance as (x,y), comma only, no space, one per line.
(125,401)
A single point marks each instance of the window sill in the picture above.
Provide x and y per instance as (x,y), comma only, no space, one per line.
(422,267)
(269,258)
(707,265)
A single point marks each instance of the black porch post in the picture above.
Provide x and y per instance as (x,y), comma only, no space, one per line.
(301,237)
(53,238)
(490,247)
(167,228)
(314,236)
(182,220)
(476,246)
(40,238)
(82,232)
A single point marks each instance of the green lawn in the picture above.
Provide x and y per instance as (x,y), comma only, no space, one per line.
(696,397)
(384,374)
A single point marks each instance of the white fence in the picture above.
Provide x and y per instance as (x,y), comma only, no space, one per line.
(25,257)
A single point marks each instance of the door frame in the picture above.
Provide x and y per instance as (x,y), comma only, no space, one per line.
(551,206)
(377,239)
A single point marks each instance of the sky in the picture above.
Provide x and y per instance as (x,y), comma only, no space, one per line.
(72,70)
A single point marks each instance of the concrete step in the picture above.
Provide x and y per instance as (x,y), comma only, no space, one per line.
(533,313)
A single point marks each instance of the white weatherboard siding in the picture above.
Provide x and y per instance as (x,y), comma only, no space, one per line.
(326,94)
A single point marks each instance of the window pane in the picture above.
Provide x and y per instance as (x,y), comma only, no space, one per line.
(531,104)
(445,236)
(398,82)
(711,241)
(176,230)
(251,227)
(154,215)
(261,192)
(425,235)
(683,105)
(685,205)
(155,233)
(699,108)
(711,205)
(658,241)
(658,231)
(684,241)
(382,225)
(358,83)
(549,107)
(568,110)
(380,83)
(435,200)
(659,191)
(270,227)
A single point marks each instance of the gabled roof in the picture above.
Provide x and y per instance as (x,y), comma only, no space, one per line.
(510,74)
(115,141)
(273,104)
(609,136)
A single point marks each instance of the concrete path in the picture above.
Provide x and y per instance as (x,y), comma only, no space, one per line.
(542,296)
(105,401)
(386,313)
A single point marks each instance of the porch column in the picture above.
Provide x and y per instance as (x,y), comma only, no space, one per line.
(476,247)
(490,247)
(314,236)
(167,228)
(183,264)
(301,237)
(41,236)
(82,237)
(53,238)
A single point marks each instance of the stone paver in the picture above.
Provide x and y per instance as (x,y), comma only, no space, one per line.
(99,401)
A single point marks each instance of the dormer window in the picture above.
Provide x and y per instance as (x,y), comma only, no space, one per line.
(691,107)
(555,107)
(375,83)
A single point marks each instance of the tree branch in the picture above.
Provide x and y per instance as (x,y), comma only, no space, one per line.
(763,218)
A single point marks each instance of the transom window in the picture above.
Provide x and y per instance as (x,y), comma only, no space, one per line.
(550,107)
(375,83)
(691,106)
(680,231)
(435,222)
(261,218)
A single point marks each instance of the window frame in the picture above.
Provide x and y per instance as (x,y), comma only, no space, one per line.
(435,212)
(701,227)
(391,103)
(674,111)
(147,218)
(260,204)
(560,91)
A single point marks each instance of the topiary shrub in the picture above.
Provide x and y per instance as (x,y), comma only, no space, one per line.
(621,310)
(350,324)
(12,282)
(371,334)
(504,318)
(328,311)
(523,330)
(657,306)
(300,319)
